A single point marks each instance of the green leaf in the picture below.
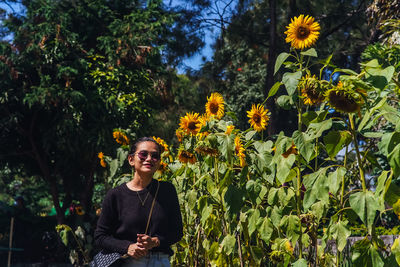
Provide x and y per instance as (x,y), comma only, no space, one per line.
(335,141)
(310,52)
(266,230)
(285,102)
(253,189)
(228,244)
(394,160)
(300,263)
(279,60)
(365,206)
(226,146)
(340,233)
(291,80)
(392,194)
(249,135)
(335,179)
(396,249)
(315,130)
(253,219)
(367,115)
(274,89)
(382,187)
(233,200)
(272,196)
(293,228)
(306,148)
(317,187)
(283,167)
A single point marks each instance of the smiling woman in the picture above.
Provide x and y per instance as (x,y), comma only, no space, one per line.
(141,219)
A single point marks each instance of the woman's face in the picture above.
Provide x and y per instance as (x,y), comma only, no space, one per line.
(146,158)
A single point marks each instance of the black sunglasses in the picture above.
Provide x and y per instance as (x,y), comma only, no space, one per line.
(142,155)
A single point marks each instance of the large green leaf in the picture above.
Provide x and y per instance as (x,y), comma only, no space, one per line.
(382,187)
(266,230)
(340,233)
(335,179)
(227,145)
(254,215)
(335,141)
(253,189)
(290,80)
(310,52)
(365,206)
(315,130)
(394,160)
(317,187)
(233,200)
(300,263)
(283,167)
(274,89)
(279,61)
(228,244)
(306,148)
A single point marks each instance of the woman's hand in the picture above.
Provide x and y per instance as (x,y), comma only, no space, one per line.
(136,251)
(147,242)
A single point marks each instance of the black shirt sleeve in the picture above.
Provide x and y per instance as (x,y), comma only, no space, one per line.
(175,228)
(107,225)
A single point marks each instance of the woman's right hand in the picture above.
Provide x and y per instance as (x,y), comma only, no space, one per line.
(136,251)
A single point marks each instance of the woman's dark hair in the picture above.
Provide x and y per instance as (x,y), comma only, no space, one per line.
(141,140)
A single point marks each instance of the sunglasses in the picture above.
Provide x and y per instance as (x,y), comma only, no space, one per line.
(142,155)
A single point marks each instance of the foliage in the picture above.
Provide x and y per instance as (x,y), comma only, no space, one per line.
(71,72)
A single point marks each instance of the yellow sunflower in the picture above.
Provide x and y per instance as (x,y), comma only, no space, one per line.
(311,91)
(229,129)
(239,151)
(302,32)
(102,161)
(179,134)
(162,143)
(163,167)
(202,122)
(258,117)
(121,138)
(344,99)
(215,105)
(185,156)
(189,123)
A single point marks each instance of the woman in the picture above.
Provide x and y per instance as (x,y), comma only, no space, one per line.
(126,208)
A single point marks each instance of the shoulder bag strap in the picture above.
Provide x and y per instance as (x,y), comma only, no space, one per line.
(152,206)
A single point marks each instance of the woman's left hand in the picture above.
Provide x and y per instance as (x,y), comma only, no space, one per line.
(148,242)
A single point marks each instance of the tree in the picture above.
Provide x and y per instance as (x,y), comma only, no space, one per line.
(73,72)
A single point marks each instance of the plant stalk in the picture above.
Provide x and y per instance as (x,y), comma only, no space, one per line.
(359,161)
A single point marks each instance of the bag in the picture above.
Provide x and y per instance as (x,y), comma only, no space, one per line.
(114,259)
(102,259)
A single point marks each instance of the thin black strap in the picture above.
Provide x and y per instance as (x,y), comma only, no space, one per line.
(152,206)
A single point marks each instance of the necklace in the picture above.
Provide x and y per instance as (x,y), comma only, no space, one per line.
(147,195)
(143,201)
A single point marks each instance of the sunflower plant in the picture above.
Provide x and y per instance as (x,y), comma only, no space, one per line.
(259,200)
(249,199)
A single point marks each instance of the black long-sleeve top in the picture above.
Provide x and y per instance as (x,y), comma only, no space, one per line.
(123,217)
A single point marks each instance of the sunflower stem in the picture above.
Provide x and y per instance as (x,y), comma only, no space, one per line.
(359,161)
(298,189)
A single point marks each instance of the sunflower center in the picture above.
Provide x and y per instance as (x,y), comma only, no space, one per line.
(192,125)
(302,32)
(214,108)
(257,118)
